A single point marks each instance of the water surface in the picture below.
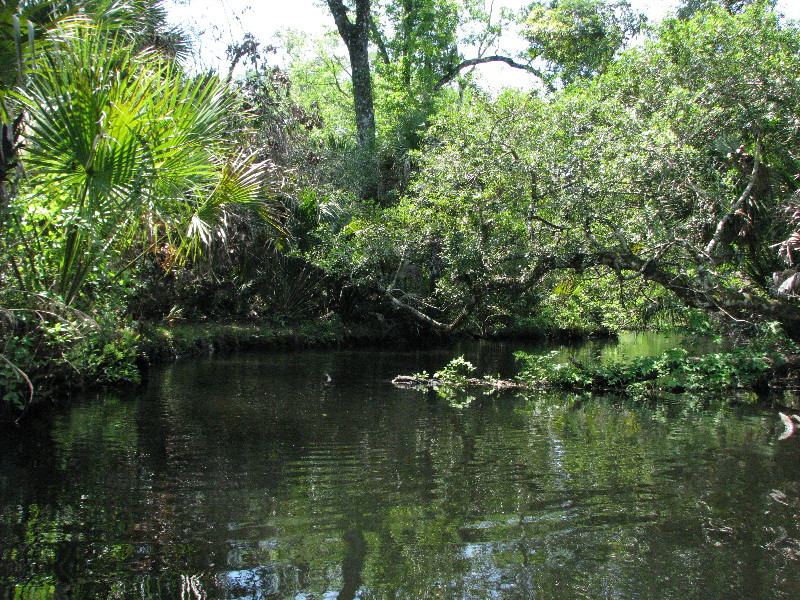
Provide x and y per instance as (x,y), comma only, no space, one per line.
(247,477)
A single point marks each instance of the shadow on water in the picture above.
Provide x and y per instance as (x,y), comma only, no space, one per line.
(249,477)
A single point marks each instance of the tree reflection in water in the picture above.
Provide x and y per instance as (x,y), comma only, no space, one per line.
(236,478)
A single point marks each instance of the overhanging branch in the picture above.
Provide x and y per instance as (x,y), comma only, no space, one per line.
(432,323)
(453,72)
(692,291)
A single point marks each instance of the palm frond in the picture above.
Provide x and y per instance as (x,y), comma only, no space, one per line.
(242,184)
(118,137)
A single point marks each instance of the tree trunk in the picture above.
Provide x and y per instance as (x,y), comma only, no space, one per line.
(407,31)
(356,38)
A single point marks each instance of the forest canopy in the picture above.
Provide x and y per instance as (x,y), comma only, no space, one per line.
(670,170)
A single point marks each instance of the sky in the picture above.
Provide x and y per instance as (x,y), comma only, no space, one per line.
(221,22)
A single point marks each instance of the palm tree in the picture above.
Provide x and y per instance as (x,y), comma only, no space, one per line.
(122,144)
(23,23)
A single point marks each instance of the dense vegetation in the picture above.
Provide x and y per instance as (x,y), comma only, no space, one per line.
(639,184)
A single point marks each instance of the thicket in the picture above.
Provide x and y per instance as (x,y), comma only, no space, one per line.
(629,188)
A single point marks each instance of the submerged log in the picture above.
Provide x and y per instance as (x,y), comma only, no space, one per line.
(410,381)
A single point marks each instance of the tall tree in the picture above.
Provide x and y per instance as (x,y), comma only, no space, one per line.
(424,39)
(578,38)
(418,51)
(674,169)
(355,35)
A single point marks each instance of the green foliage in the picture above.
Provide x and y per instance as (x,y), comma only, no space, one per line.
(127,159)
(112,359)
(418,42)
(450,382)
(48,348)
(515,194)
(25,24)
(456,372)
(423,44)
(37,339)
(545,368)
(318,81)
(579,38)
(676,370)
(688,8)
(15,385)
(122,148)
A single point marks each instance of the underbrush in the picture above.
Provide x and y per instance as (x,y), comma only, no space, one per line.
(673,371)
(47,351)
(751,366)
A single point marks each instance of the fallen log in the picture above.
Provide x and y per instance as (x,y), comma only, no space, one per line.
(410,381)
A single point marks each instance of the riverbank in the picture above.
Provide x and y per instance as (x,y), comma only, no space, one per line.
(55,363)
(160,342)
(122,356)
(113,356)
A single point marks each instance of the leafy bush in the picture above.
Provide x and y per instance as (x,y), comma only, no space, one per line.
(456,372)
(112,358)
(673,371)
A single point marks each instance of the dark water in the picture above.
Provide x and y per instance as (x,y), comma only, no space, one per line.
(246,477)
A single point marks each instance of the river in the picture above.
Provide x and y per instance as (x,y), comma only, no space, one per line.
(249,477)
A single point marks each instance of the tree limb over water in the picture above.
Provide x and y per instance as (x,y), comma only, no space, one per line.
(699,291)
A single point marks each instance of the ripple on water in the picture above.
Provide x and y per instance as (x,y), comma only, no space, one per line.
(249,480)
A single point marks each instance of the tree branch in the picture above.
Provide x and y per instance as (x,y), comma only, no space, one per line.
(343,24)
(432,323)
(696,292)
(453,72)
(723,224)
(378,38)
(726,300)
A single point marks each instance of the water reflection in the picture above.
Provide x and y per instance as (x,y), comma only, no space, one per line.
(246,477)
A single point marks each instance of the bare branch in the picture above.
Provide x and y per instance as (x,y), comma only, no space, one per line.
(433,323)
(453,72)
